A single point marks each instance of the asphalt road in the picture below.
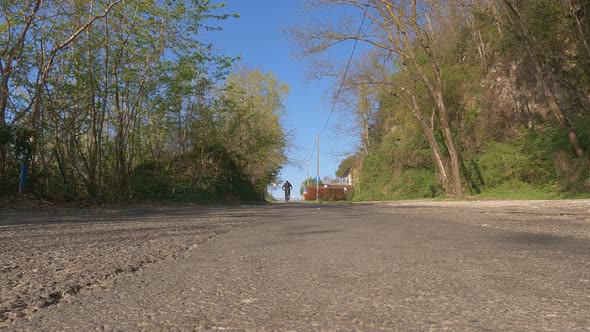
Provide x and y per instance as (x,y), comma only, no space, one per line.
(367,267)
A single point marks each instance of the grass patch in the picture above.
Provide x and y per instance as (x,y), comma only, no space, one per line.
(518,190)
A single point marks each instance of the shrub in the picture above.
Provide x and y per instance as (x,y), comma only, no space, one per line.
(527,159)
(309,183)
(391,179)
(327,194)
(502,162)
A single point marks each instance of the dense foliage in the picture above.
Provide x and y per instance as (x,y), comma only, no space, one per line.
(307,183)
(327,193)
(112,99)
(488,97)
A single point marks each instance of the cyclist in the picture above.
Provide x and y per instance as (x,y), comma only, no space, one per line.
(287,188)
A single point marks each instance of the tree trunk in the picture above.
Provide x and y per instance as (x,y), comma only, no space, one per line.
(561,118)
(440,161)
(579,25)
(4,93)
(457,186)
(410,34)
(435,90)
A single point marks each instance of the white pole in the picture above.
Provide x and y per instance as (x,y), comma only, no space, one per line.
(317,185)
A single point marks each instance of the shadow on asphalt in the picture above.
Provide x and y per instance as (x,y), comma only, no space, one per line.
(315,232)
(537,239)
(558,245)
(141,214)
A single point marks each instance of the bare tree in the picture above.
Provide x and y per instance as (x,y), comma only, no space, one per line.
(360,99)
(403,30)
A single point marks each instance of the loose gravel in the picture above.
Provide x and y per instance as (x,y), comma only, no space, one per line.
(570,218)
(50,254)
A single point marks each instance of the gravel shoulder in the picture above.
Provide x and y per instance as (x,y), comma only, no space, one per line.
(49,254)
(570,218)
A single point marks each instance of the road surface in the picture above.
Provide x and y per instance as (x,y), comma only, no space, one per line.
(300,267)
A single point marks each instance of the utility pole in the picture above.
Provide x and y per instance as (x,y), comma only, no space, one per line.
(317,179)
(307,170)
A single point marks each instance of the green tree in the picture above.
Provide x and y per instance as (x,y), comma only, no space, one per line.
(90,79)
(251,124)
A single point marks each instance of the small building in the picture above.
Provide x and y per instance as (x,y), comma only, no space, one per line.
(348,175)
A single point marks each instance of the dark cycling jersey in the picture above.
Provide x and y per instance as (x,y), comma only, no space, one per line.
(287,188)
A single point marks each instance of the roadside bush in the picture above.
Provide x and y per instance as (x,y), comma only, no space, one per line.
(385,177)
(15,147)
(517,190)
(309,183)
(572,173)
(163,181)
(150,180)
(502,162)
(326,194)
(417,183)
(527,159)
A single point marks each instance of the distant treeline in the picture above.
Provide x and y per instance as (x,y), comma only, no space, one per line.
(112,99)
(465,97)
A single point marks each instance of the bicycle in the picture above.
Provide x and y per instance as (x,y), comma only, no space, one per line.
(287,188)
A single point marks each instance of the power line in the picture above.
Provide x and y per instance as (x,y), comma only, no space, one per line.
(312,150)
(358,34)
(343,79)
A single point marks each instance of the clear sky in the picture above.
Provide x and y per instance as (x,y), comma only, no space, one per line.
(258,37)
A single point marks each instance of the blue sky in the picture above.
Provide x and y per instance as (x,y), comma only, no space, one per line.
(258,38)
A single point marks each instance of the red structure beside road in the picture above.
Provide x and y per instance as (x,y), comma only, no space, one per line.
(328,193)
